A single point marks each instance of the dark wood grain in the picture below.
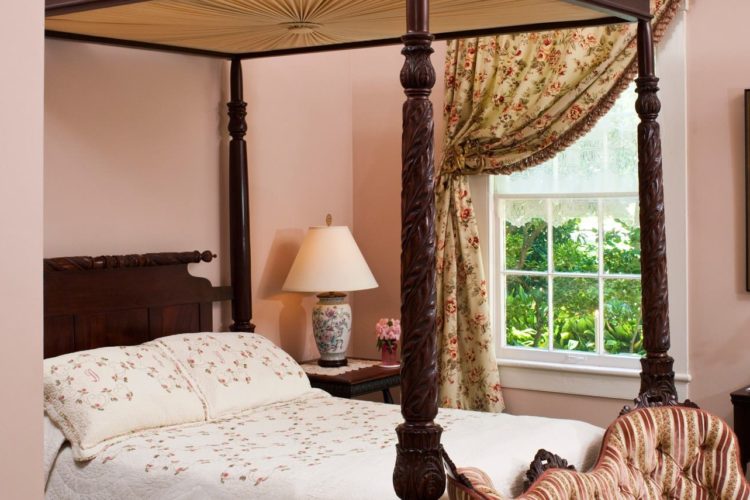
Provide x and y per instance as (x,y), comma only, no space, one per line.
(419,472)
(632,9)
(741,404)
(657,376)
(544,460)
(93,302)
(84,263)
(239,206)
(134,44)
(60,7)
(357,382)
(449,35)
(364,374)
(59,335)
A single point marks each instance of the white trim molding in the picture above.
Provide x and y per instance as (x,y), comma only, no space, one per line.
(615,383)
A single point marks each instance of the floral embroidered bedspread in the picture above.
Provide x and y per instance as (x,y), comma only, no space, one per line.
(313,447)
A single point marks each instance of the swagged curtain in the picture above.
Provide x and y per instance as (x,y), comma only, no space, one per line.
(511,102)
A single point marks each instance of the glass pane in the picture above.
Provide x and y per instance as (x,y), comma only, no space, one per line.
(622,142)
(526,235)
(574,244)
(576,301)
(622,236)
(526,311)
(606,158)
(623,328)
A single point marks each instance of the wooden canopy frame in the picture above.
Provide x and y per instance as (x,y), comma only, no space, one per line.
(419,471)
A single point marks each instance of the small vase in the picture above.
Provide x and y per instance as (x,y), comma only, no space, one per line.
(389,357)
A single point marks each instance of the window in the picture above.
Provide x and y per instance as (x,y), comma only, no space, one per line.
(569,277)
(567,246)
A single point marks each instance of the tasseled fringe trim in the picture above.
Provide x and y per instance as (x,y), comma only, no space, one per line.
(597,112)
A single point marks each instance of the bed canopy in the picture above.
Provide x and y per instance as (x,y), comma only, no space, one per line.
(241,29)
(256,28)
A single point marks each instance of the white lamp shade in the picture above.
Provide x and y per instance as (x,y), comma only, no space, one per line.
(329,260)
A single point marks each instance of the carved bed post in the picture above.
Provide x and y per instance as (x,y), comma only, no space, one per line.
(239,219)
(419,472)
(657,377)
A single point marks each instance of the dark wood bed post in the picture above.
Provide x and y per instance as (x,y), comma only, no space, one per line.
(239,212)
(419,471)
(657,376)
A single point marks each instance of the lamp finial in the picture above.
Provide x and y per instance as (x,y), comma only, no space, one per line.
(329,220)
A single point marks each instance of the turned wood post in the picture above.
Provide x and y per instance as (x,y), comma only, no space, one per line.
(239,218)
(657,377)
(419,472)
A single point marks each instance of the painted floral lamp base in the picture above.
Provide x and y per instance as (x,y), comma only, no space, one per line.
(332,327)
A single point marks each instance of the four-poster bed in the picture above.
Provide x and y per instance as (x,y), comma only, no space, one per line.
(240,30)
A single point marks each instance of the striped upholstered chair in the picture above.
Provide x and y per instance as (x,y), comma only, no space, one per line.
(652,453)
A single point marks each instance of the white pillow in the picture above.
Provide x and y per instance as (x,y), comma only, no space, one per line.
(98,396)
(236,371)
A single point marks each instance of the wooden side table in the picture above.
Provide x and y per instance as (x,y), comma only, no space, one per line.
(361,376)
(741,402)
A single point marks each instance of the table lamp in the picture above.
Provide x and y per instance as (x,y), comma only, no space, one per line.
(330,263)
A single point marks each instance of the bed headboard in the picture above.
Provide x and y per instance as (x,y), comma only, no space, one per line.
(92,302)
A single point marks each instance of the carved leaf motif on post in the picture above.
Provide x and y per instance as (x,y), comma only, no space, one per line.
(419,472)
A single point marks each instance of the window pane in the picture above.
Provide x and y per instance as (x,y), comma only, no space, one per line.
(575,231)
(576,301)
(605,159)
(622,236)
(526,235)
(623,329)
(622,141)
(526,311)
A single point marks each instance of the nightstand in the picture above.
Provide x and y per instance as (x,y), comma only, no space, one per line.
(741,402)
(360,376)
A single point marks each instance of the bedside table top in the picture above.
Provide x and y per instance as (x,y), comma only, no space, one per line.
(356,372)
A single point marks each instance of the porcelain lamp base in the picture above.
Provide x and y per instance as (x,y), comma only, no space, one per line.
(332,328)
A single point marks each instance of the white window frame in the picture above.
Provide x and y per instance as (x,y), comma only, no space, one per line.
(582,358)
(578,372)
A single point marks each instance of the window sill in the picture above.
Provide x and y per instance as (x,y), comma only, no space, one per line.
(615,383)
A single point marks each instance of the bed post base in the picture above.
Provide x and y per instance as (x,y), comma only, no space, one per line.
(239,211)
(419,471)
(657,377)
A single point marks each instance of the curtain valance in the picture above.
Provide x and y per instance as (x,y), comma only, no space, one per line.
(514,101)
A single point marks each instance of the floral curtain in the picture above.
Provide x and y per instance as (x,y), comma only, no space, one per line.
(511,102)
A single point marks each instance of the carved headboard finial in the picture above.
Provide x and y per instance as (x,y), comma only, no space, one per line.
(84,263)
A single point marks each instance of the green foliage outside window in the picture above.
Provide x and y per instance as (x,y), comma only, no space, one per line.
(576,299)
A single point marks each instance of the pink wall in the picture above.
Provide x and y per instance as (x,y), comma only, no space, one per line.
(718,72)
(377,97)
(136,162)
(21,164)
(300,154)
(132,149)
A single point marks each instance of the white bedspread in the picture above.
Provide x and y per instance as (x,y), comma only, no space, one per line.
(314,447)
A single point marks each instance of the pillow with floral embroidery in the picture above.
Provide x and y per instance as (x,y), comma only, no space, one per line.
(101,395)
(236,371)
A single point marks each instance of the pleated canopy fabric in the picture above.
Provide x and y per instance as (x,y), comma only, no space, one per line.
(256,26)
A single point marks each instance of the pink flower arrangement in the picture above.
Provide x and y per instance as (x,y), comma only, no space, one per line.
(388,331)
